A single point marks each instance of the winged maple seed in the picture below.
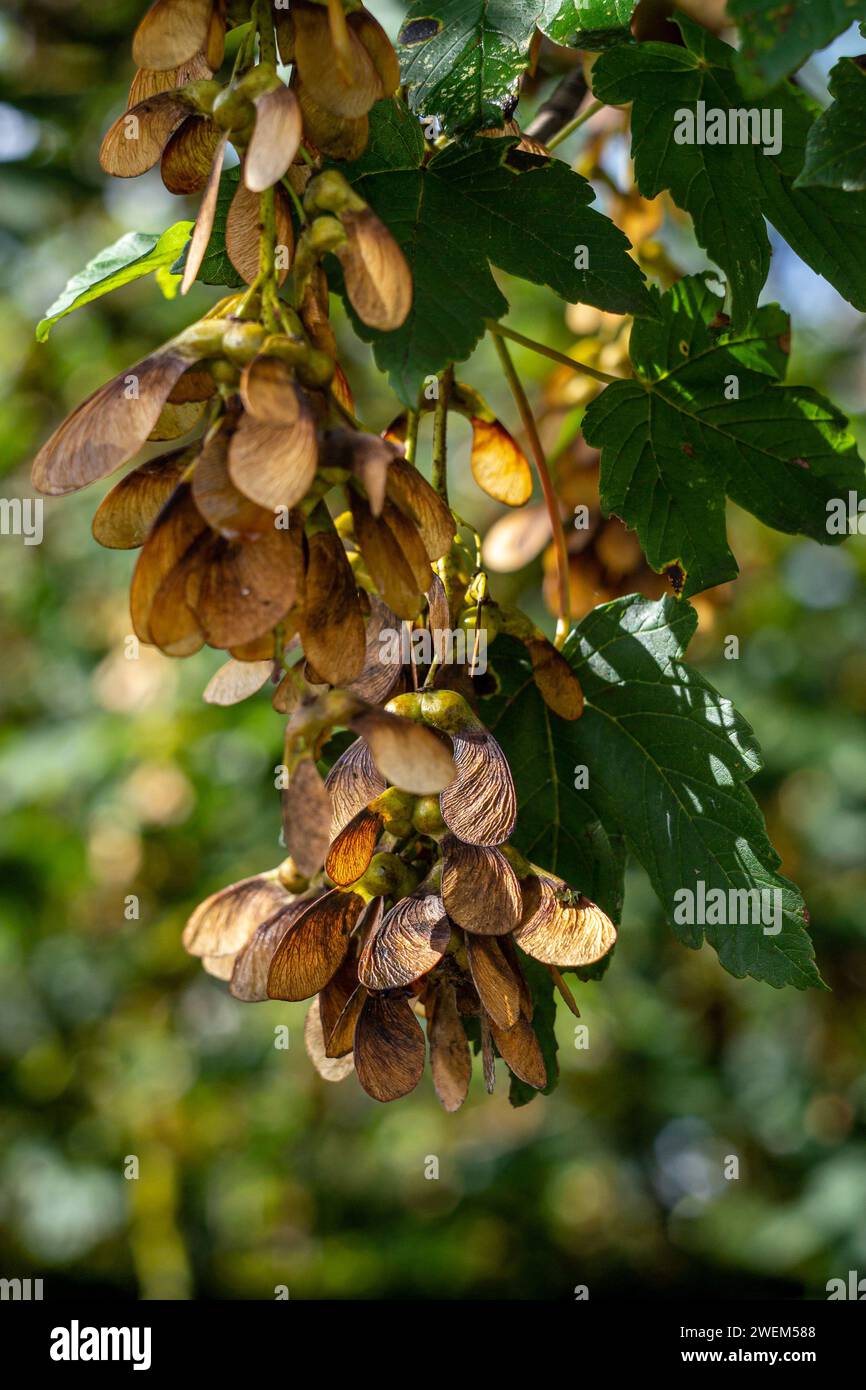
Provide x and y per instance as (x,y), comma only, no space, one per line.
(235,539)
(422,909)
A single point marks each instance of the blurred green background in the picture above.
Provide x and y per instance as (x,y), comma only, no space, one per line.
(115,780)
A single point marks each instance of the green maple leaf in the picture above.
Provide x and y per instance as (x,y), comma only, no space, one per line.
(729,189)
(475,203)
(836,147)
(777,38)
(673,445)
(669,760)
(591,24)
(136,254)
(462,60)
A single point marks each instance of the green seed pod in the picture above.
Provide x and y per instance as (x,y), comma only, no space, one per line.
(203,94)
(408,706)
(291,877)
(243,340)
(315,368)
(258,80)
(395,807)
(205,336)
(399,828)
(387,876)
(233,110)
(427,817)
(331,192)
(490,622)
(448,711)
(223,372)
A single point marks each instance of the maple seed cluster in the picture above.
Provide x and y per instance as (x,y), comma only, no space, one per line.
(274,527)
(420,910)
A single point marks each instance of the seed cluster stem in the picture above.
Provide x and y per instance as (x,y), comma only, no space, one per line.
(550,500)
(265,26)
(440,433)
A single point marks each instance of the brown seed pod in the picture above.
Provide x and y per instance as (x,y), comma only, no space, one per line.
(450,1058)
(480,889)
(341,1038)
(240,590)
(350,853)
(380,48)
(497,983)
(438,611)
(378,677)
(347,88)
(377,277)
(558,933)
(268,391)
(126,513)
(353,782)
(514,541)
(223,924)
(201,232)
(409,756)
(189,155)
(340,137)
(249,978)
(389,1048)
(243,230)
(409,540)
(174,627)
(112,424)
(412,938)
(147,82)
(480,805)
(329,1068)
(236,681)
(306,811)
(499,465)
(215,44)
(559,686)
(260,649)
(223,507)
(173,32)
(411,492)
(519,1049)
(311,953)
(275,139)
(386,561)
(332,1001)
(175,530)
(137,139)
(273,465)
(330,623)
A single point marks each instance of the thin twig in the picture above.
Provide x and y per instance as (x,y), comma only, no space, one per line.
(572,125)
(500,330)
(439,476)
(550,499)
(563,103)
(413,419)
